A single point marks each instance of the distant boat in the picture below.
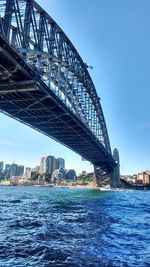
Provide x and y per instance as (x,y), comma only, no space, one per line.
(105,188)
(108,188)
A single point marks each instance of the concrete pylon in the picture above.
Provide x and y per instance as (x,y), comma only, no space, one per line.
(102,176)
(116,172)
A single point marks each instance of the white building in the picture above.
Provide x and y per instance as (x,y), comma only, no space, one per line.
(28,172)
(43,165)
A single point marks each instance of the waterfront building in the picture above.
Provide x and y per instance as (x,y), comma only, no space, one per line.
(57,175)
(71,175)
(7,170)
(129,178)
(20,170)
(43,165)
(41,180)
(55,164)
(60,163)
(28,172)
(34,175)
(36,169)
(143,177)
(49,164)
(13,171)
(1,166)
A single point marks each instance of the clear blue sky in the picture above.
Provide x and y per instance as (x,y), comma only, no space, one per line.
(114,37)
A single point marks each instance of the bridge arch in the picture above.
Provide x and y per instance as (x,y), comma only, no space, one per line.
(45,58)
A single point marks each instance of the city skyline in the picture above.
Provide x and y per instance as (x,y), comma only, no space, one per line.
(50,169)
(60,163)
(23,146)
(48,165)
(116,43)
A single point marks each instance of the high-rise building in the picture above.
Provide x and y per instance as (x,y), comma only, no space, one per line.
(1,166)
(20,170)
(7,169)
(55,164)
(49,164)
(28,172)
(43,165)
(13,169)
(60,163)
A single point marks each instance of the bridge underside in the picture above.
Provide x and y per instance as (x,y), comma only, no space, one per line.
(25,97)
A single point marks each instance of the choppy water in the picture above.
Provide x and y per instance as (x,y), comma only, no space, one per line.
(44,227)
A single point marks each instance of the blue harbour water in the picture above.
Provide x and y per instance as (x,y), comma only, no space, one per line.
(44,227)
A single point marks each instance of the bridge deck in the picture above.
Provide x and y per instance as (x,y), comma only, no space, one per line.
(25,97)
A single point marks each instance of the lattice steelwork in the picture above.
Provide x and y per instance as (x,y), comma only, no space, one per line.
(48,52)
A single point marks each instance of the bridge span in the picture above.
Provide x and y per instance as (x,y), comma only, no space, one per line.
(45,84)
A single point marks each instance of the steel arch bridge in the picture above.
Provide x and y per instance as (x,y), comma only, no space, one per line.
(45,84)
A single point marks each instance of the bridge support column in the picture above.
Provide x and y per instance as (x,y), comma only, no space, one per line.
(116,176)
(101,177)
(116,173)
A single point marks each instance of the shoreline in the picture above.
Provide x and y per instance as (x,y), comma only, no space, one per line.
(51,186)
(78,186)
(104,189)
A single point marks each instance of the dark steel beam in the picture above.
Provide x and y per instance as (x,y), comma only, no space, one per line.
(45,84)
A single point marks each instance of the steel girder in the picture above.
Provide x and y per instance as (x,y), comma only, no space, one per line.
(47,53)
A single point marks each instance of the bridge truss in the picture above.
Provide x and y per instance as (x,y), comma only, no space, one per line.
(45,83)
